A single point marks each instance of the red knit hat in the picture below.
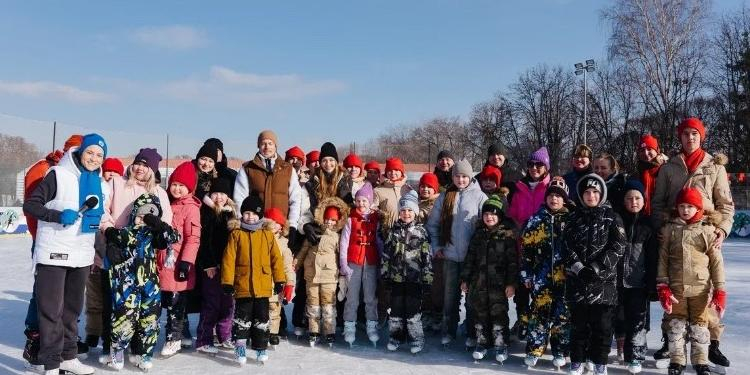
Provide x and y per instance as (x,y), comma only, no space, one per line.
(113,165)
(690,196)
(352,160)
(394,164)
(372,164)
(331,212)
(295,152)
(313,156)
(276,215)
(694,123)
(185,174)
(490,172)
(649,141)
(430,179)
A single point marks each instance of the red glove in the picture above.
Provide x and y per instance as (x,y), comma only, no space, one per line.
(288,290)
(666,297)
(719,301)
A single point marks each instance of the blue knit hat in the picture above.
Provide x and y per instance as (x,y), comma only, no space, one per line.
(633,184)
(410,201)
(93,139)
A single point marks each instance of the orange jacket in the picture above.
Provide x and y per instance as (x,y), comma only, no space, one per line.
(33,177)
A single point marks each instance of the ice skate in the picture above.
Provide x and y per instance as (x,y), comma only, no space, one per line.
(261,356)
(208,349)
(470,343)
(330,339)
(635,367)
(144,363)
(718,358)
(313,339)
(74,366)
(393,345)
(417,346)
(501,353)
(372,332)
(273,340)
(530,360)
(171,348)
(36,369)
(186,342)
(600,369)
(576,368)
(116,360)
(240,354)
(446,341)
(675,369)
(558,361)
(55,371)
(227,345)
(298,332)
(479,353)
(350,332)
(661,356)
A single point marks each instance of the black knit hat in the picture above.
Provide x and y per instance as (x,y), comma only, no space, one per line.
(592,180)
(209,150)
(496,148)
(222,185)
(215,142)
(328,150)
(252,203)
(445,154)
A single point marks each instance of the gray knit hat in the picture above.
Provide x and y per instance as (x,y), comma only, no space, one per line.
(410,201)
(463,167)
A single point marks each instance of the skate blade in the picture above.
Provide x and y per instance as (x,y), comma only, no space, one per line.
(34,369)
(719,370)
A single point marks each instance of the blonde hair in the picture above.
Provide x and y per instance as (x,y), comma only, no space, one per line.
(612,161)
(150,184)
(230,203)
(328,189)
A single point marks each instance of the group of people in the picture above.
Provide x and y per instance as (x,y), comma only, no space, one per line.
(581,255)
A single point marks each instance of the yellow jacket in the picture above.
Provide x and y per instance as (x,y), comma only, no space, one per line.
(252,263)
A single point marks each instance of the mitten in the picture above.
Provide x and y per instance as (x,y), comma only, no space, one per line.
(666,297)
(312,232)
(278,288)
(719,301)
(114,253)
(112,235)
(227,289)
(152,221)
(183,269)
(68,217)
(288,290)
(586,274)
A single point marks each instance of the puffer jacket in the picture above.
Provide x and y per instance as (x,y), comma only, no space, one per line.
(186,219)
(406,254)
(526,201)
(571,179)
(616,191)
(492,261)
(593,237)
(466,211)
(252,263)
(425,207)
(320,261)
(286,255)
(542,262)
(710,179)
(686,260)
(215,229)
(386,197)
(637,268)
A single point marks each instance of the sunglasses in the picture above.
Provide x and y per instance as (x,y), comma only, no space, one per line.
(537,164)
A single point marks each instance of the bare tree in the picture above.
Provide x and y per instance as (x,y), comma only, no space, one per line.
(17,156)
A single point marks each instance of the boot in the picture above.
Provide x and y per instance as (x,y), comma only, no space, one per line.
(416,331)
(675,369)
(621,349)
(372,331)
(395,330)
(350,332)
(31,348)
(83,349)
(702,370)
(715,355)
(273,339)
(663,353)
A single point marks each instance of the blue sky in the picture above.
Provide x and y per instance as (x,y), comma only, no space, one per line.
(311,70)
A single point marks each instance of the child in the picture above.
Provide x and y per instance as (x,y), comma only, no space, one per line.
(489,180)
(276,223)
(218,219)
(176,264)
(429,191)
(407,268)
(593,241)
(688,269)
(636,277)
(359,260)
(132,262)
(321,269)
(543,272)
(251,270)
(388,193)
(489,277)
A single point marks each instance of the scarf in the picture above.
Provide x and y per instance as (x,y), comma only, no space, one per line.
(696,218)
(251,227)
(90,184)
(693,160)
(648,170)
(446,215)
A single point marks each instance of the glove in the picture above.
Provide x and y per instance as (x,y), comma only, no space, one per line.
(666,297)
(152,221)
(112,235)
(227,289)
(294,240)
(114,254)
(586,274)
(68,217)
(278,288)
(183,269)
(288,290)
(719,301)
(344,270)
(312,232)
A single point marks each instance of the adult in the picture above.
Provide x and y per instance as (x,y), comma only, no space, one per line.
(528,197)
(696,168)
(390,191)
(650,160)
(607,167)
(31,180)
(354,166)
(495,160)
(211,163)
(64,249)
(581,163)
(222,159)
(451,224)
(443,167)
(372,169)
(312,160)
(296,157)
(271,178)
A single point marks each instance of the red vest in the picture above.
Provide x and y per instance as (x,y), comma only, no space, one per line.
(362,239)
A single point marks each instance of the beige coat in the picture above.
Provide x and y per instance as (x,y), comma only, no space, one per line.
(321,261)
(286,255)
(686,260)
(386,199)
(710,179)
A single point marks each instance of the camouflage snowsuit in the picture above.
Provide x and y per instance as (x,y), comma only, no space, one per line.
(542,265)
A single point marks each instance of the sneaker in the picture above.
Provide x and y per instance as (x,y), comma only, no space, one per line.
(634,367)
(530,360)
(116,360)
(559,361)
(479,353)
(227,344)
(590,366)
(144,363)
(576,368)
(261,356)
(273,339)
(207,349)
(350,331)
(36,369)
(171,348)
(372,331)
(240,354)
(76,367)
(501,353)
(600,369)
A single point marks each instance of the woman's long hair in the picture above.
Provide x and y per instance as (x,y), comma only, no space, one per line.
(150,184)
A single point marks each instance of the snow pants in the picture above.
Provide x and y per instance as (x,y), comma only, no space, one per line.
(217,312)
(406,310)
(321,308)
(136,305)
(549,319)
(692,311)
(251,322)
(591,334)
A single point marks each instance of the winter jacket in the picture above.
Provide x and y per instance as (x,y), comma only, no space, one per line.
(616,191)
(543,259)
(359,244)
(466,211)
(321,261)
(406,254)
(425,207)
(357,184)
(571,179)
(215,231)
(279,188)
(386,198)
(221,171)
(710,179)
(686,260)
(445,178)
(117,212)
(252,263)
(56,244)
(343,191)
(595,238)
(526,201)
(492,262)
(31,180)
(186,220)
(287,257)
(637,267)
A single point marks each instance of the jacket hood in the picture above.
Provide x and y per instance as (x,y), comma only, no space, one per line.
(336,202)
(142,200)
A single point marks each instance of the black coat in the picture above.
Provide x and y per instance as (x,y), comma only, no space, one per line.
(637,267)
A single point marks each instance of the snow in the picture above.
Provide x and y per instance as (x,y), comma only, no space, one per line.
(295,357)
